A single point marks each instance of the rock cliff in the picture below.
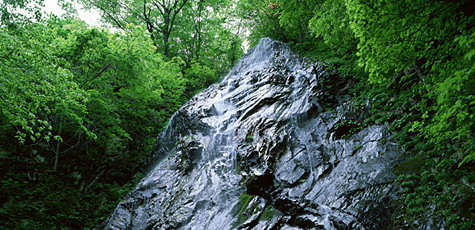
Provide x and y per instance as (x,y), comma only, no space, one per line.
(273,146)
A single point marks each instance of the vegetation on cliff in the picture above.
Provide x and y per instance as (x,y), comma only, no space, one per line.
(413,64)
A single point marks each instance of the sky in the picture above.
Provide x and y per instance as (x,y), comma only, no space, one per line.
(90,17)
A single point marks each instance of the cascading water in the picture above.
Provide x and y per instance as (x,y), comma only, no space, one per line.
(262,150)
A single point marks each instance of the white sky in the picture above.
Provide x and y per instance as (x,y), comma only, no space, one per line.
(90,17)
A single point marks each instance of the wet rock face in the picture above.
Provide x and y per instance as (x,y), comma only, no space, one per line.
(270,147)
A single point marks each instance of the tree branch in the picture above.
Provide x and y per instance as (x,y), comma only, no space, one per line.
(174,15)
(97,75)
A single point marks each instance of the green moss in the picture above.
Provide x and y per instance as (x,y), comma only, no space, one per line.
(241,207)
(244,200)
(268,213)
(238,169)
(249,139)
(357,147)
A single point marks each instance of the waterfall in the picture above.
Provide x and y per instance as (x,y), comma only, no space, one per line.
(257,151)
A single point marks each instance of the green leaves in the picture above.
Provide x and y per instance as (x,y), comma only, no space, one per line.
(198,77)
(284,20)
(125,78)
(83,102)
(429,44)
(419,57)
(395,35)
(331,22)
(34,88)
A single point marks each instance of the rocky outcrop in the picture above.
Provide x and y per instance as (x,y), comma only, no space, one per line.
(273,146)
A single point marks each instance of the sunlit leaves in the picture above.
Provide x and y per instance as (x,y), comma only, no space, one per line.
(433,43)
(124,76)
(393,36)
(397,36)
(34,90)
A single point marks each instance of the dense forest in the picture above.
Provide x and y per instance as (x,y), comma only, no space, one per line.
(81,106)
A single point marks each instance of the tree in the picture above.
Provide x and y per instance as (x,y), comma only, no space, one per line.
(207,37)
(159,16)
(203,36)
(127,79)
(431,39)
(37,96)
(9,11)
(413,29)
(70,101)
(330,22)
(261,19)
(284,20)
(431,45)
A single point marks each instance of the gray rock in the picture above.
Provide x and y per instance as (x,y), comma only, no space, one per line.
(272,129)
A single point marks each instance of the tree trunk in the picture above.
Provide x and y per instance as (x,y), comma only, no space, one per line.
(233,57)
(56,160)
(166,30)
(166,48)
(198,30)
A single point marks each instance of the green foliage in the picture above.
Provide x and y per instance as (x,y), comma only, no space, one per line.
(127,80)
(455,99)
(77,104)
(346,127)
(207,37)
(294,17)
(284,20)
(420,32)
(198,77)
(71,98)
(432,194)
(261,19)
(419,55)
(335,42)
(196,31)
(36,95)
(418,62)
(80,108)
(11,11)
(158,17)
(316,29)
(331,23)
